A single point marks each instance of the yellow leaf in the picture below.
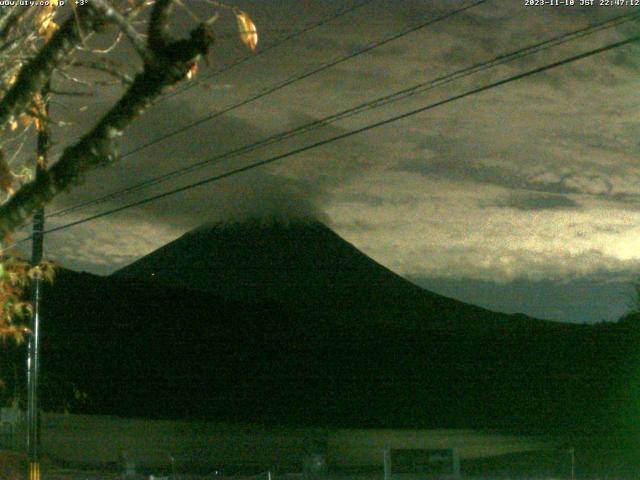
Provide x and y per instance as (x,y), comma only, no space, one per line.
(13,124)
(18,336)
(46,25)
(23,309)
(192,71)
(35,272)
(38,104)
(12,79)
(25,120)
(16,332)
(39,112)
(247,30)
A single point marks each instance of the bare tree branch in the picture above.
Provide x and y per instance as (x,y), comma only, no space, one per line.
(103,51)
(9,22)
(112,14)
(33,76)
(73,79)
(171,62)
(71,94)
(159,35)
(107,67)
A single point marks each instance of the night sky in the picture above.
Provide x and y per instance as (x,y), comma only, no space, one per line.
(524,198)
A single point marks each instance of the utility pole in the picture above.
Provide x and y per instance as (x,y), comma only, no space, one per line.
(33,361)
(573,463)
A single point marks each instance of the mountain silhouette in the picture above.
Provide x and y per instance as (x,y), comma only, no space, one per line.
(305,265)
(286,322)
(142,349)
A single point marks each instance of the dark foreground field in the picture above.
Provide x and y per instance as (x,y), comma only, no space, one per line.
(554,464)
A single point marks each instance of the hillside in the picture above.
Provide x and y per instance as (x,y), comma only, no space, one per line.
(310,269)
(289,324)
(144,350)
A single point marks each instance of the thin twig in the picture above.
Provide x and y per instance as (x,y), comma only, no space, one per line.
(33,76)
(158,31)
(20,146)
(11,21)
(103,51)
(97,148)
(193,16)
(73,79)
(105,66)
(72,94)
(109,12)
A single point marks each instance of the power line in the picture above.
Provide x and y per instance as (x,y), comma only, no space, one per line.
(376,103)
(302,76)
(380,123)
(288,82)
(264,50)
(199,80)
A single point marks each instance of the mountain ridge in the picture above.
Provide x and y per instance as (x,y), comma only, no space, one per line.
(181,353)
(306,265)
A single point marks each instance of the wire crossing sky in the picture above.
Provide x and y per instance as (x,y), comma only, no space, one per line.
(524,198)
(305,75)
(376,103)
(378,124)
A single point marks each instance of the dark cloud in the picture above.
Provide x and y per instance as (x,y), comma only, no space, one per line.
(197,144)
(470,170)
(559,148)
(296,188)
(452,161)
(256,194)
(532,202)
